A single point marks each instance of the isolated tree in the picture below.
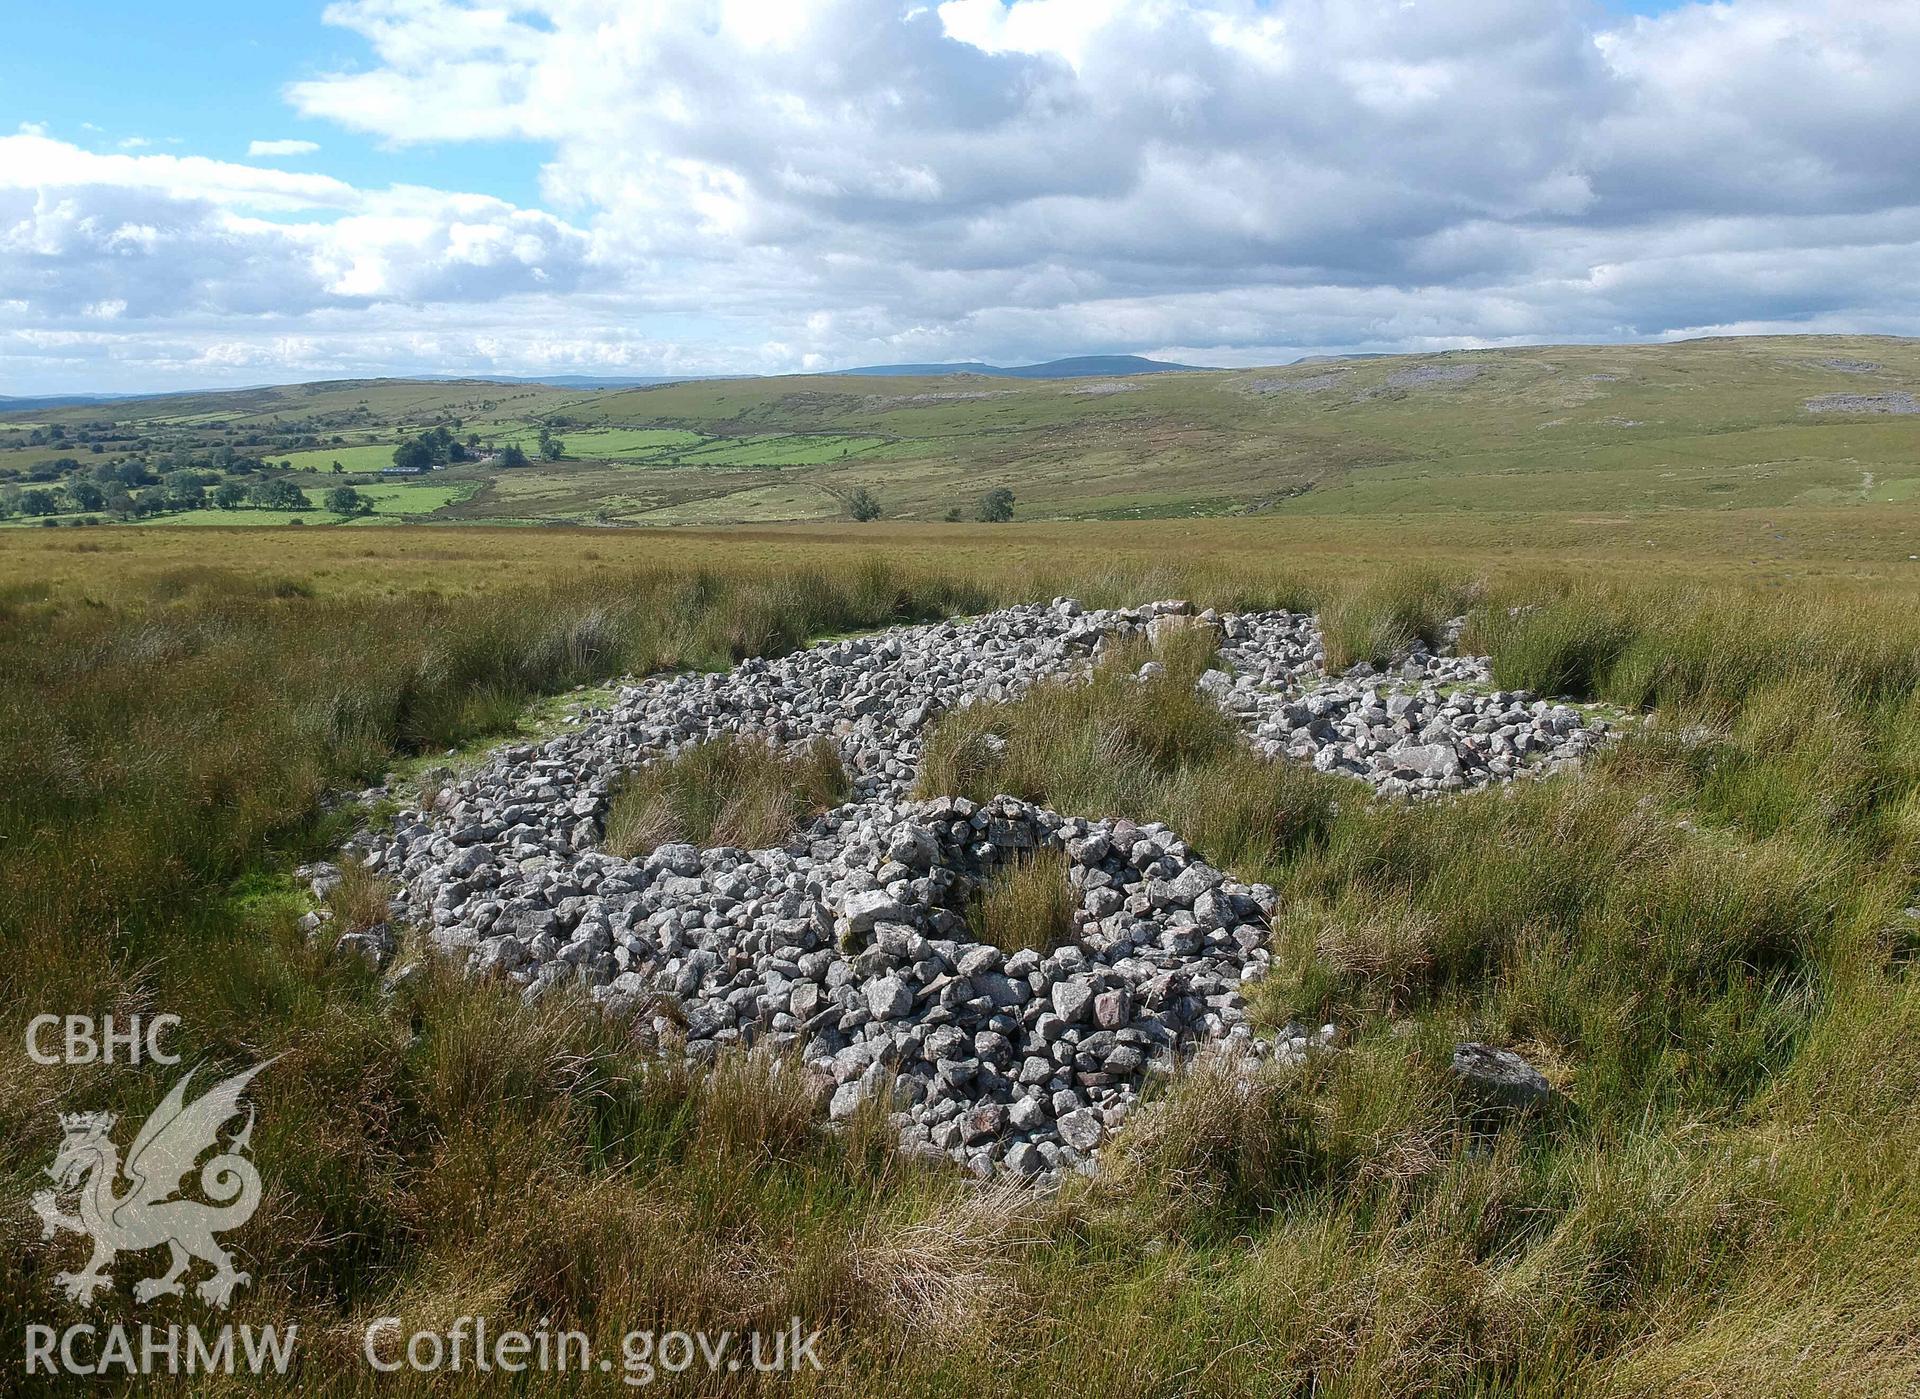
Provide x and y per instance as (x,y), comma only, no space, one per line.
(86,495)
(551,447)
(863,504)
(953,515)
(229,494)
(39,501)
(513,454)
(996,506)
(345,500)
(338,469)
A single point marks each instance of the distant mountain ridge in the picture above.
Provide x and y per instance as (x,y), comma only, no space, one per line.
(1076,367)
(10,404)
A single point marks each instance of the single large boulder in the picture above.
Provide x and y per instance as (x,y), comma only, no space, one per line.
(1499,1077)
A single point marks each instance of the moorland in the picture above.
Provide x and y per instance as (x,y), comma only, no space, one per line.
(1705,937)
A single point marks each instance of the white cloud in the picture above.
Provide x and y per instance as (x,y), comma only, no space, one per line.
(277,148)
(750,184)
(162,236)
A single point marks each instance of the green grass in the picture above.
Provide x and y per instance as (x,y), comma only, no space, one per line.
(359,458)
(391,503)
(626,442)
(1382,619)
(1700,939)
(780,450)
(726,791)
(1622,433)
(1027,903)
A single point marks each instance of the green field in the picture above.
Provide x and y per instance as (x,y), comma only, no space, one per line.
(370,457)
(391,503)
(597,444)
(810,450)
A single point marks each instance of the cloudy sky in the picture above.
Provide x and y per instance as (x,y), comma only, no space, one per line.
(224,192)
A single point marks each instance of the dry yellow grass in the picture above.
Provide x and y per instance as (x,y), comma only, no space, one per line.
(727,791)
(1027,903)
(1866,546)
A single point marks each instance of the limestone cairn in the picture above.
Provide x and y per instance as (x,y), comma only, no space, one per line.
(849,945)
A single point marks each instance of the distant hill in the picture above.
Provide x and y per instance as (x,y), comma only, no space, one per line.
(566,381)
(1082,367)
(10,404)
(1079,367)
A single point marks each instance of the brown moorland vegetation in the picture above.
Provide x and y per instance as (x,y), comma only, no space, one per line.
(1703,937)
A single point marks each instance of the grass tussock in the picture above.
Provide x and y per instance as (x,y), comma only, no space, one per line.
(1027,903)
(360,899)
(1119,743)
(1701,939)
(726,791)
(1381,618)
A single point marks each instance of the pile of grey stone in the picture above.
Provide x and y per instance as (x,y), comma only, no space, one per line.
(1429,724)
(849,949)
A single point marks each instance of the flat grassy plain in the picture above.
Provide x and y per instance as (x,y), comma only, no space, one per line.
(1874,548)
(1701,938)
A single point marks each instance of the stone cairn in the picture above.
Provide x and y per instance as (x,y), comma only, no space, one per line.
(848,950)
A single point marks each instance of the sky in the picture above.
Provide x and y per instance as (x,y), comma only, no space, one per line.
(210,193)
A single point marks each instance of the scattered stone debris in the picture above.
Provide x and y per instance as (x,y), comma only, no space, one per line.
(1898,403)
(1853,366)
(375,946)
(1312,383)
(881,402)
(1416,375)
(850,944)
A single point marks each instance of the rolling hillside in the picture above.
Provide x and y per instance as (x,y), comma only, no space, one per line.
(1768,423)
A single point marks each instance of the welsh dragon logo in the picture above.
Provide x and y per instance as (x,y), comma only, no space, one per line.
(148,1212)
